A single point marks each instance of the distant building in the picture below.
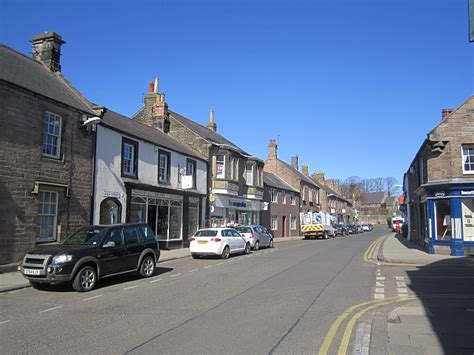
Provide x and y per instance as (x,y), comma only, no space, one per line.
(283,207)
(439,185)
(45,152)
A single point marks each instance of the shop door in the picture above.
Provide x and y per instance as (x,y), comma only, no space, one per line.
(152,217)
(162,223)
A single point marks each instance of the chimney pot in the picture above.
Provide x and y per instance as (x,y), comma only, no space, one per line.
(151,87)
(446,112)
(212,124)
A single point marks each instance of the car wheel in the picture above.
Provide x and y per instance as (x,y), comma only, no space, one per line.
(85,279)
(247,248)
(270,245)
(39,285)
(226,252)
(147,267)
(195,256)
(256,245)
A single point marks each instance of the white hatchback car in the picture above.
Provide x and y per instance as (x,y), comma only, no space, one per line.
(218,241)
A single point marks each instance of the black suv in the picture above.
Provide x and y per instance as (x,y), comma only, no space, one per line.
(92,253)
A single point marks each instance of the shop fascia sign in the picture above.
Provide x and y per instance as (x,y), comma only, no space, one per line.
(154,194)
(471,192)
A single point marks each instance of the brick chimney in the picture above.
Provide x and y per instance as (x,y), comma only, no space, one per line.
(47,50)
(446,112)
(294,162)
(272,149)
(318,176)
(156,112)
(304,169)
(212,124)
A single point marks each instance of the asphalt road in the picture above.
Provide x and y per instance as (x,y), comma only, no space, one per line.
(273,301)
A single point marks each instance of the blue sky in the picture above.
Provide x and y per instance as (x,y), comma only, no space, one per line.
(352,87)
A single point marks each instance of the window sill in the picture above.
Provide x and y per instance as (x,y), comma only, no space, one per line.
(134,177)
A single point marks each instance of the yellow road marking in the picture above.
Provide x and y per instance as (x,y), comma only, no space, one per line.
(350,325)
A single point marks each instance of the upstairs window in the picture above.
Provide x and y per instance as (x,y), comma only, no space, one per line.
(274,195)
(283,198)
(249,174)
(191,170)
(234,172)
(220,166)
(52,135)
(129,158)
(164,161)
(293,199)
(468,158)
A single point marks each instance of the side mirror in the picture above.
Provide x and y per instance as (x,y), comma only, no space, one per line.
(108,245)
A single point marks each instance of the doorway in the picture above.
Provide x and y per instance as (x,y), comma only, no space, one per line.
(152,217)
(283,230)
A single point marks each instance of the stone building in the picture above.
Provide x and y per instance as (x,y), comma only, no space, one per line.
(235,178)
(332,201)
(308,188)
(439,185)
(144,175)
(283,207)
(373,208)
(45,151)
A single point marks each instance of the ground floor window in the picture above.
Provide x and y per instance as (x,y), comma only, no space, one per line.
(293,222)
(443,219)
(47,216)
(110,211)
(468,219)
(164,216)
(193,213)
(274,223)
(230,217)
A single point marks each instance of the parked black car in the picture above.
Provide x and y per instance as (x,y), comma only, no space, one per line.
(341,229)
(353,229)
(93,253)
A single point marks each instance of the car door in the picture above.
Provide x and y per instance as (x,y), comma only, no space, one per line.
(263,236)
(238,241)
(134,244)
(227,239)
(112,259)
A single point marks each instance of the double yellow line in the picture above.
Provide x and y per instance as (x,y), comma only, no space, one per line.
(366,306)
(370,250)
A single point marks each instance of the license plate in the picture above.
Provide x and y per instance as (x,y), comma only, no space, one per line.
(202,241)
(31,272)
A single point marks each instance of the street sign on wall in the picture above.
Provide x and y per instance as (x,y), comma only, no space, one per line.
(471,20)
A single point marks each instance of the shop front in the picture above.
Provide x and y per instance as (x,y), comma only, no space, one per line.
(450,211)
(232,211)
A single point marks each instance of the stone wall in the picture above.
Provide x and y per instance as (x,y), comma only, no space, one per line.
(21,126)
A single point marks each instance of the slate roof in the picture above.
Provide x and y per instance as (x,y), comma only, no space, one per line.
(372,198)
(205,132)
(302,176)
(29,74)
(390,200)
(274,181)
(141,131)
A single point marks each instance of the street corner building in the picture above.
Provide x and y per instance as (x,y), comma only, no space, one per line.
(45,150)
(235,178)
(439,185)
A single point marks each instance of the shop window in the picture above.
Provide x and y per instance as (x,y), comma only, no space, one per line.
(164,162)
(468,219)
(110,211)
(129,158)
(443,219)
(193,219)
(138,210)
(47,216)
(175,220)
(52,135)
(468,158)
(220,166)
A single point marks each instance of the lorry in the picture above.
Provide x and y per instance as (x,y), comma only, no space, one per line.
(317,225)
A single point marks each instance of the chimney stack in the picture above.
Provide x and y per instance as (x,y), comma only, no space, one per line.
(156,109)
(294,162)
(318,176)
(212,124)
(446,112)
(272,149)
(47,50)
(304,169)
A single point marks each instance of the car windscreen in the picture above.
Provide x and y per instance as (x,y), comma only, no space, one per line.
(206,233)
(86,236)
(244,229)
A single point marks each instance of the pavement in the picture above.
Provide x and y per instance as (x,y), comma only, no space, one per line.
(409,328)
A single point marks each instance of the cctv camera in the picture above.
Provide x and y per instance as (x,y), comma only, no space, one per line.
(91,121)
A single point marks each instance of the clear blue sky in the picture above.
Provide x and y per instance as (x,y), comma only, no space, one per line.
(350,86)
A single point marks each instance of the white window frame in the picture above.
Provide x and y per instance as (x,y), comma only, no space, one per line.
(293,199)
(274,195)
(464,149)
(249,179)
(57,137)
(293,222)
(220,175)
(274,222)
(164,178)
(130,170)
(283,197)
(53,238)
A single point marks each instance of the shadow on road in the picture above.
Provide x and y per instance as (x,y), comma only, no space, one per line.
(446,290)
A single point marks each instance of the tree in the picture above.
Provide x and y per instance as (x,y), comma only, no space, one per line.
(390,185)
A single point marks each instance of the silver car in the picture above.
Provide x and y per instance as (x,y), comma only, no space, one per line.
(256,235)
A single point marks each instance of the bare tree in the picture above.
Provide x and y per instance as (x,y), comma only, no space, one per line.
(390,183)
